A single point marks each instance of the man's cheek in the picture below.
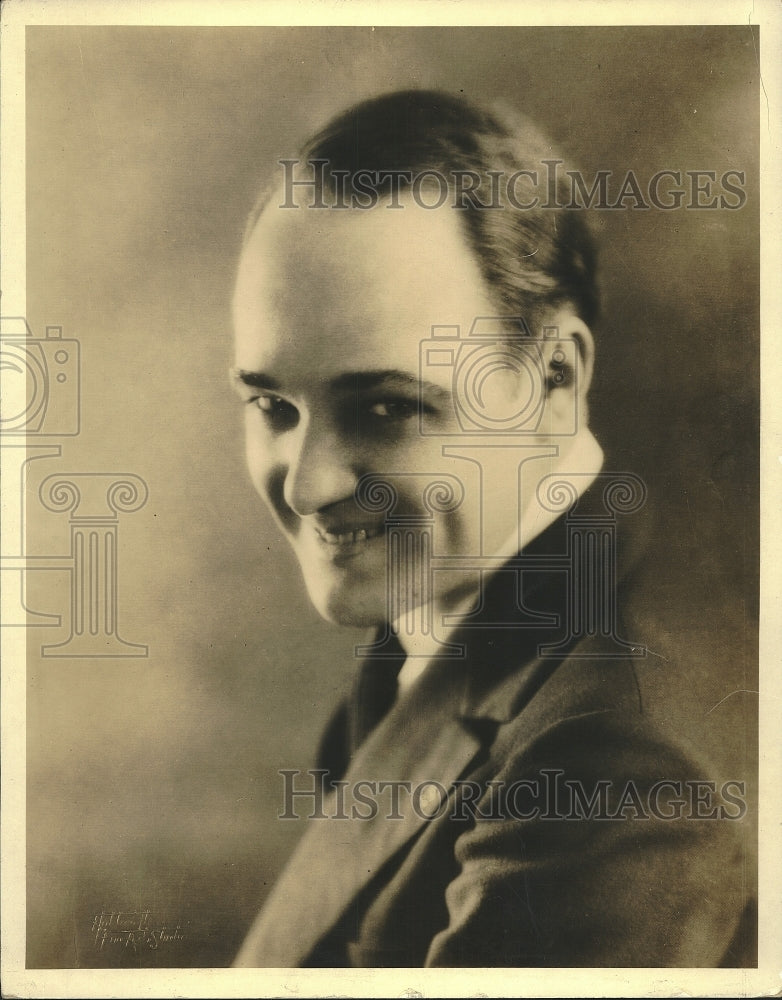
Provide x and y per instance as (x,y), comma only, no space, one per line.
(272,489)
(268,478)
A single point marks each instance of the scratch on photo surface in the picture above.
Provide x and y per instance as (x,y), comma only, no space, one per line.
(737,691)
(760,75)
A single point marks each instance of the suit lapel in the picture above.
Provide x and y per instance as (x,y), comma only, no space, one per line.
(336,858)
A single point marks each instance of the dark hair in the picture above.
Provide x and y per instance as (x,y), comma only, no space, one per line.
(532,259)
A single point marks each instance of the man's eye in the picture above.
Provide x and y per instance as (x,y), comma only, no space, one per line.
(394,409)
(276,411)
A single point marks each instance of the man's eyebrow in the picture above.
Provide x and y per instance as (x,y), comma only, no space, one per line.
(387,379)
(361,381)
(255,380)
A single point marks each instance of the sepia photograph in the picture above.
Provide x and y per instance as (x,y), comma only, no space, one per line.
(381,442)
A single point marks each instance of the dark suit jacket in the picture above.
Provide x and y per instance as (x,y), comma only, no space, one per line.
(486,881)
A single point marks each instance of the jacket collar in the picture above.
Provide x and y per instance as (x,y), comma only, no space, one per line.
(570,474)
(527,605)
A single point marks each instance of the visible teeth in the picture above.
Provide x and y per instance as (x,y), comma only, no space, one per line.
(348,537)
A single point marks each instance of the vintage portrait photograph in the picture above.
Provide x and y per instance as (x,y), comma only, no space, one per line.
(381,444)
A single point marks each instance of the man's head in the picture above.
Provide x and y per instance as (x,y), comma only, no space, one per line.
(333,306)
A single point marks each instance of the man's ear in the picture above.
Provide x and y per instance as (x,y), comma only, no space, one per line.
(564,334)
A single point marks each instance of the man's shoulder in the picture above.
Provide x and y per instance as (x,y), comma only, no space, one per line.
(589,713)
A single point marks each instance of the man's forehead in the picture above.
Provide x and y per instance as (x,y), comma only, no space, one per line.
(403,237)
(358,275)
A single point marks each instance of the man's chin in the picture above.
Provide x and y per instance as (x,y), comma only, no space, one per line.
(349,610)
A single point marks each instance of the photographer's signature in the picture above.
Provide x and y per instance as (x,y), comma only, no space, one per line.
(132,929)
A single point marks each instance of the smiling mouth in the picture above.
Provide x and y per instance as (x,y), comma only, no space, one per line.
(346,538)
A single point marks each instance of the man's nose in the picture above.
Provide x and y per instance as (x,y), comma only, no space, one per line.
(320,469)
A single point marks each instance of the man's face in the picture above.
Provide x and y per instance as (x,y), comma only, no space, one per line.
(330,310)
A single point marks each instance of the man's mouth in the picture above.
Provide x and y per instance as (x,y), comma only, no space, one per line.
(342,536)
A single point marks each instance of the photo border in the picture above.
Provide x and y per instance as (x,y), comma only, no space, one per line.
(21,982)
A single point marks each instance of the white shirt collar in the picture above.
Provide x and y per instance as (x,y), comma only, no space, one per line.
(583,461)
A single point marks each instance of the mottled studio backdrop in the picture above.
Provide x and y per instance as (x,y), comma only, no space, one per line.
(152,780)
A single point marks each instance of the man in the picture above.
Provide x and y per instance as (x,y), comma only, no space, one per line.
(413,314)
